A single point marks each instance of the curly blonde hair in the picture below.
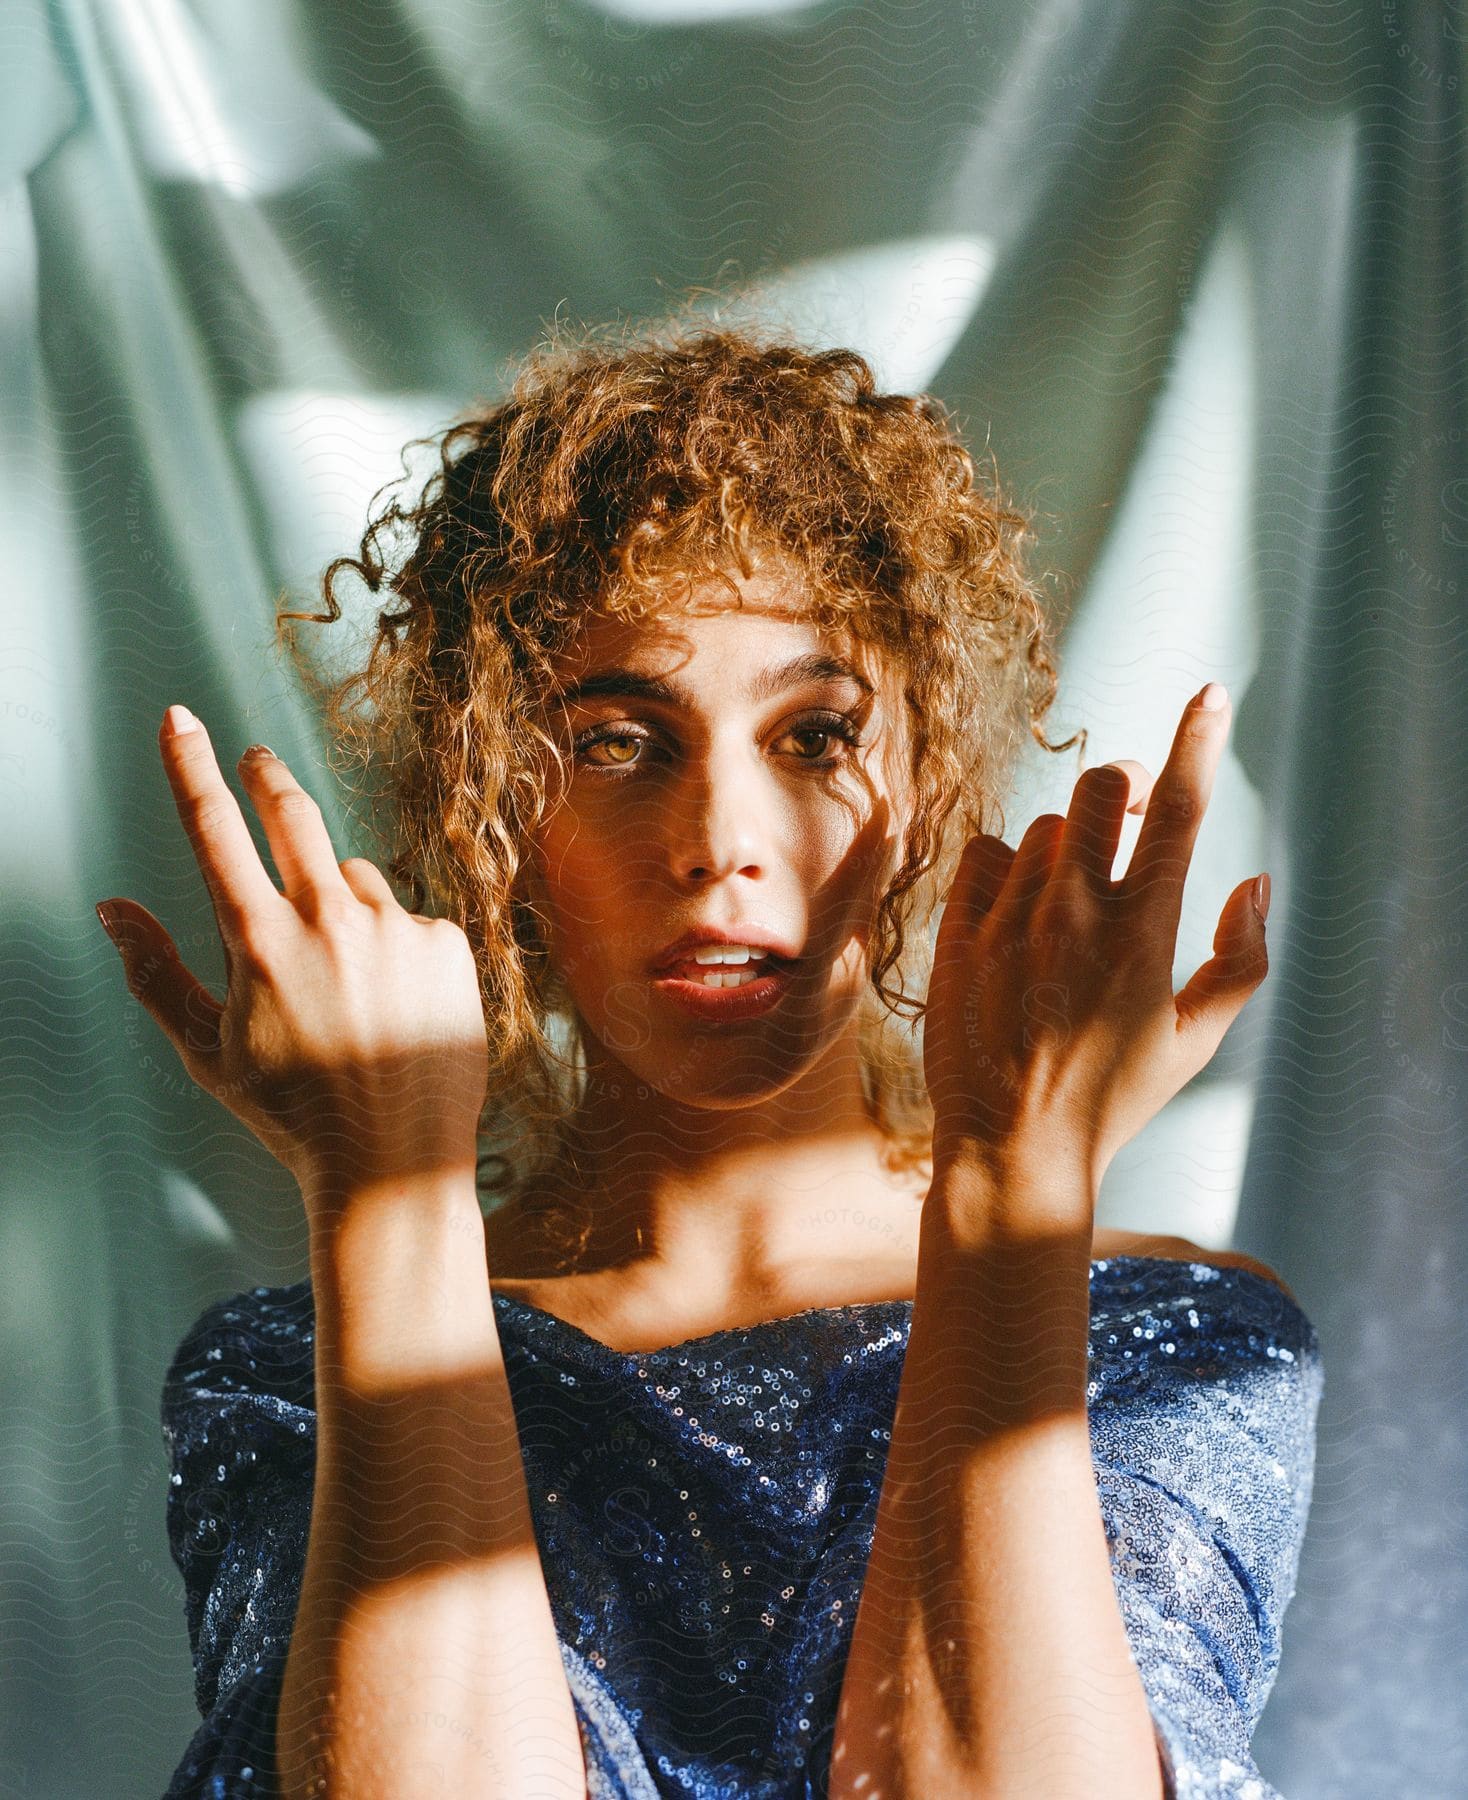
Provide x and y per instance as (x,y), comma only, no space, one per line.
(618,467)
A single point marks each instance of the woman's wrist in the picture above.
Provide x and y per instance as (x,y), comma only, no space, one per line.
(431,1178)
(983,1192)
(399,1271)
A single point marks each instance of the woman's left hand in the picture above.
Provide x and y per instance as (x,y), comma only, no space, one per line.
(1052,1031)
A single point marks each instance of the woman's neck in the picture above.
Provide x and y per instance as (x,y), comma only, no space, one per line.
(743,1219)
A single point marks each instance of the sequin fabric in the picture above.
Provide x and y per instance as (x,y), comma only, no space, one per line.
(705,1513)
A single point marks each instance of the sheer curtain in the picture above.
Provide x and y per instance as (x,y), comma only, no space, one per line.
(1194,272)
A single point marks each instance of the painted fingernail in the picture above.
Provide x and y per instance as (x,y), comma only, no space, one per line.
(1261,896)
(256,751)
(122,930)
(1213,696)
(180,720)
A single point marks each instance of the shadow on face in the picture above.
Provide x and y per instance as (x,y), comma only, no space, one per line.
(729,765)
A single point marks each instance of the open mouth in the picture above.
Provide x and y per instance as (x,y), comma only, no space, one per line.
(721,976)
(725,990)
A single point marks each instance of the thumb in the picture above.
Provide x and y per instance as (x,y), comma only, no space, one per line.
(173,997)
(1217,994)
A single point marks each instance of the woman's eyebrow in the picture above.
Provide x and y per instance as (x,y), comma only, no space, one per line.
(624,683)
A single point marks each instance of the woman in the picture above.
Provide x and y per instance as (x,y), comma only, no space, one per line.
(787,1428)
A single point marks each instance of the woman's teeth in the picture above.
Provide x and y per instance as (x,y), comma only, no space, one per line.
(724,965)
(727,978)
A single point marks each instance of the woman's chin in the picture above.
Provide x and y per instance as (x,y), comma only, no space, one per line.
(720,1085)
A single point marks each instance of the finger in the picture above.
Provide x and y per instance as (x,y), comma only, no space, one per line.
(1164,848)
(238,881)
(1216,995)
(977,883)
(299,841)
(1142,782)
(173,997)
(1102,798)
(368,882)
(1029,871)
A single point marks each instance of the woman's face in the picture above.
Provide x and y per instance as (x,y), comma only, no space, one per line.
(733,768)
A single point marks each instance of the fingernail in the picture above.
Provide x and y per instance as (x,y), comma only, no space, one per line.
(1213,696)
(180,720)
(1261,896)
(256,751)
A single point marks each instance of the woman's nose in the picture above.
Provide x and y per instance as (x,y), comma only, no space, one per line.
(720,828)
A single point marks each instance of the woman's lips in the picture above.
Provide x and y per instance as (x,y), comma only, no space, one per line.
(683,984)
(690,969)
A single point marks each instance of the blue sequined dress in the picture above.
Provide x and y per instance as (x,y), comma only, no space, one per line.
(704,1514)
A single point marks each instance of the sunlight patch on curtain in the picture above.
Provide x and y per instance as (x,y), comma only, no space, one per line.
(224,102)
(904,304)
(315,461)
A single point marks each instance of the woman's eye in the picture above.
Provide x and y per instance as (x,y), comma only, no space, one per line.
(617,741)
(839,726)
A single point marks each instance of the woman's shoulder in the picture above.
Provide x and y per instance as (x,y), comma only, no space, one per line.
(1200,1353)
(1106,1244)
(1182,1317)
(259,1340)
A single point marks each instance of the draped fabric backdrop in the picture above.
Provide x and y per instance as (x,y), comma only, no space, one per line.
(1193,268)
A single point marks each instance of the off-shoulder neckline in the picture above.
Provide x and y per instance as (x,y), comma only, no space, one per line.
(897,1308)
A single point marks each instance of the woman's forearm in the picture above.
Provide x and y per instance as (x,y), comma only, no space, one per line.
(989,1656)
(424,1659)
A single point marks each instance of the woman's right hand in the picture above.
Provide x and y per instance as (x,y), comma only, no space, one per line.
(351,1040)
